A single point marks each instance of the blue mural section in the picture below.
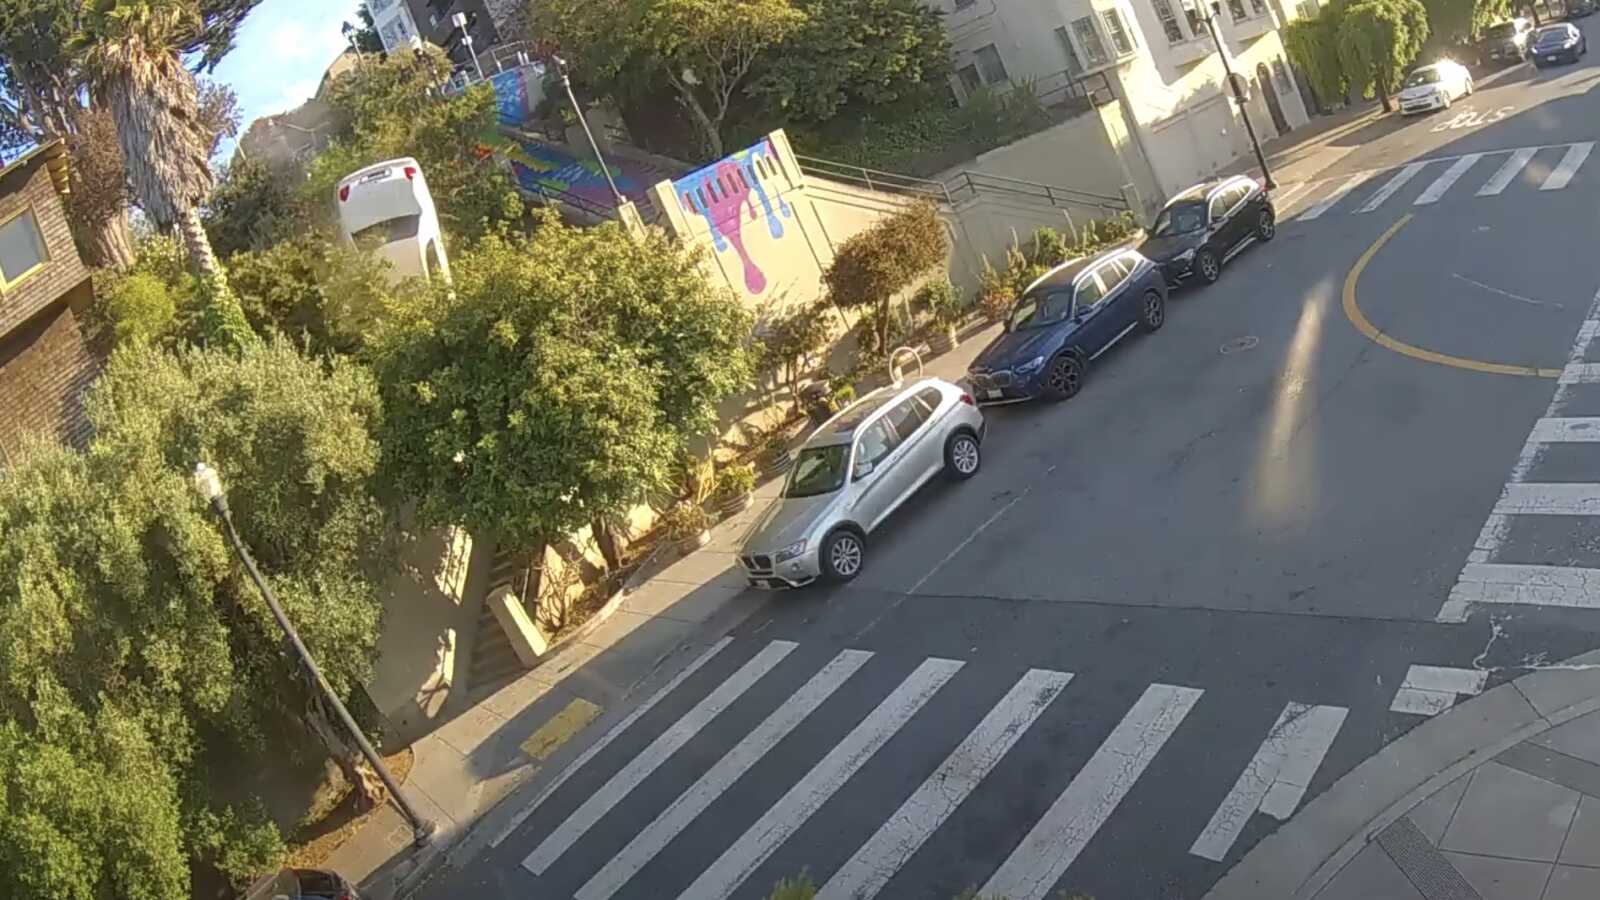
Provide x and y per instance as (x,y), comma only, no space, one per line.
(542,167)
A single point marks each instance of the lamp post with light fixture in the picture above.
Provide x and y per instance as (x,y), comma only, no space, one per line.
(209,486)
(561,66)
(460,21)
(1209,11)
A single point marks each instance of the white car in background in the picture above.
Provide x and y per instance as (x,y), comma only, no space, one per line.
(1434,86)
(387,206)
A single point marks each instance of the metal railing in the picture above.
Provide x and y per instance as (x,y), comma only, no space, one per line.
(965,183)
(1068,90)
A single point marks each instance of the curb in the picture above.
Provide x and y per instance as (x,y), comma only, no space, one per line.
(1297,861)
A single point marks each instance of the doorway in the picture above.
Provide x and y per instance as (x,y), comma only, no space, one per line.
(1268,90)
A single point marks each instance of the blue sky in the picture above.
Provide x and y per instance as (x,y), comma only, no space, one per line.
(280,54)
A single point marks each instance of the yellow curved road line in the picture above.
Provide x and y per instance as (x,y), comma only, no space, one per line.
(1365,326)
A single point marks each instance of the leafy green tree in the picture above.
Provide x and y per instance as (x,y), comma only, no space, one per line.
(135,652)
(1313,47)
(1378,42)
(571,369)
(877,263)
(394,109)
(253,207)
(852,54)
(704,49)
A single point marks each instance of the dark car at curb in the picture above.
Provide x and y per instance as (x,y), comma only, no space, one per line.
(1557,43)
(1506,42)
(302,884)
(1200,229)
(1063,321)
(1577,9)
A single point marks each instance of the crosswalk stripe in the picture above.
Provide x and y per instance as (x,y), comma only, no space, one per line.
(865,874)
(1581,373)
(1326,203)
(786,816)
(1392,186)
(691,803)
(640,767)
(1527,585)
(1276,777)
(1419,702)
(1446,181)
(1446,678)
(606,739)
(1577,430)
(1570,161)
(1060,835)
(1507,172)
(1283,196)
(1549,500)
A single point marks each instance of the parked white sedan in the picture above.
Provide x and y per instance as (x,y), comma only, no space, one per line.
(1434,86)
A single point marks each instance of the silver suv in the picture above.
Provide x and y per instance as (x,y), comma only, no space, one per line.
(853,472)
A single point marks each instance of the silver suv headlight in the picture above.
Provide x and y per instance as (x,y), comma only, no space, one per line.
(790,552)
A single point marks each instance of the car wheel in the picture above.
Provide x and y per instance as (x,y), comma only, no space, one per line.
(1152,312)
(1207,266)
(1446,103)
(1064,378)
(843,554)
(1469,87)
(961,456)
(1266,226)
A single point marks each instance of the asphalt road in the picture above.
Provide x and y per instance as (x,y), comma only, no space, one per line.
(1189,596)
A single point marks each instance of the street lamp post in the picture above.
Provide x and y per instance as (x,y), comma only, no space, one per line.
(460,21)
(209,485)
(1210,12)
(561,66)
(350,35)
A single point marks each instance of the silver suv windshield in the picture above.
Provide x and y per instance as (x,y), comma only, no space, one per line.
(817,470)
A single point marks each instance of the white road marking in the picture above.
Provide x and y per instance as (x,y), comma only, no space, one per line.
(639,768)
(606,739)
(1568,166)
(1525,585)
(1326,203)
(970,538)
(1507,172)
(1447,180)
(1392,186)
(786,816)
(627,862)
(1581,373)
(1055,841)
(1418,702)
(1444,678)
(1549,500)
(871,867)
(1276,778)
(1579,430)
(1494,290)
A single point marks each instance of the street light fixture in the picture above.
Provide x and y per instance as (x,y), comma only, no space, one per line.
(1209,12)
(460,21)
(349,32)
(561,66)
(208,484)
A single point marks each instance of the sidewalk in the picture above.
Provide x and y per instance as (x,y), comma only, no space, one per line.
(672,608)
(1496,799)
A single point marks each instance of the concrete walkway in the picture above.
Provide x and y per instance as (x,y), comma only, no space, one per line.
(514,741)
(1496,799)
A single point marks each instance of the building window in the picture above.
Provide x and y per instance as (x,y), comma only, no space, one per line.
(1236,7)
(970,82)
(22,248)
(990,66)
(1089,39)
(1259,6)
(1074,65)
(1120,38)
(378,6)
(1307,9)
(1280,74)
(1169,20)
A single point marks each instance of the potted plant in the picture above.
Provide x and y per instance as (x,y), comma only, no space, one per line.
(994,293)
(774,457)
(736,486)
(939,297)
(689,525)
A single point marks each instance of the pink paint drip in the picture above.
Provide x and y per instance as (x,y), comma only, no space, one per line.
(724,206)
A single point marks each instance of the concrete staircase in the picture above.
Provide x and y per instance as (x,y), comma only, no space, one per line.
(494,663)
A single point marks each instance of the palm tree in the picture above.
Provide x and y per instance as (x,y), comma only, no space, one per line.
(131,64)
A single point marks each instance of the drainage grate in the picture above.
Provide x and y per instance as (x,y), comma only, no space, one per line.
(1428,869)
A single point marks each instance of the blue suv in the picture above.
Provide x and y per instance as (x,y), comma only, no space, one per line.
(1072,314)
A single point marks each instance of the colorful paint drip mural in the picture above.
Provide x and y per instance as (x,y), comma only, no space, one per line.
(723,191)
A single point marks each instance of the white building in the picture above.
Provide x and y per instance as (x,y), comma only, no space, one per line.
(395,26)
(1158,60)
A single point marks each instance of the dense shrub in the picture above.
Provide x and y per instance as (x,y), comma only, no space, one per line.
(877,263)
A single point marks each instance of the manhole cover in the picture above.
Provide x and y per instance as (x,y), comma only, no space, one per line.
(1239,345)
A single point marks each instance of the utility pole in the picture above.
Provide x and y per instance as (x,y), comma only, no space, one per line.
(1210,12)
(561,66)
(460,21)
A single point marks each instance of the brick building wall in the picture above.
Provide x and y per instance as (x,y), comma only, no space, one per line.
(45,362)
